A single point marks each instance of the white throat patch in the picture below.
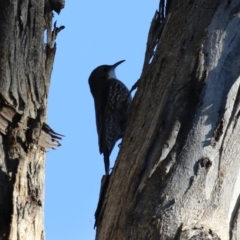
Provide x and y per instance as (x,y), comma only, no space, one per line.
(111,74)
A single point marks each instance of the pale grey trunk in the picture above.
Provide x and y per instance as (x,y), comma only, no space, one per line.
(178,172)
(25,69)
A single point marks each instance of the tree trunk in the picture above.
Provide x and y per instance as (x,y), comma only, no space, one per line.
(25,70)
(177,175)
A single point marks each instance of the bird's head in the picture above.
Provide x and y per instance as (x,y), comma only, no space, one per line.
(104,72)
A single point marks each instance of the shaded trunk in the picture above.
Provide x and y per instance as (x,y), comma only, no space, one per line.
(177,174)
(25,69)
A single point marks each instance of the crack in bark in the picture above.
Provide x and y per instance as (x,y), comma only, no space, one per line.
(178,232)
(218,132)
(234,232)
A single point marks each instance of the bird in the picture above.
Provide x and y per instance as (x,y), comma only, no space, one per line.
(112,101)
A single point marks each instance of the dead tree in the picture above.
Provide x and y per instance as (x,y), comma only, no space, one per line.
(177,175)
(25,69)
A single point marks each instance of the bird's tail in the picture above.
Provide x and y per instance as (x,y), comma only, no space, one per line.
(106,162)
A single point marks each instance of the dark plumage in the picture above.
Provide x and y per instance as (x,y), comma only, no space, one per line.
(112,103)
(57,5)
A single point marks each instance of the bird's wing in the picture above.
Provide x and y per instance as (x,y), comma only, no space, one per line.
(100,112)
(111,114)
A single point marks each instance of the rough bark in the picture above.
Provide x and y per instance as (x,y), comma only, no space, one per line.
(177,175)
(25,69)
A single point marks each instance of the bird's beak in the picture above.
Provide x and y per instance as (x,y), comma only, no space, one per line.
(116,64)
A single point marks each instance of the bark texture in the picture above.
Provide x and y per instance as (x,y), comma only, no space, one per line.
(177,175)
(25,69)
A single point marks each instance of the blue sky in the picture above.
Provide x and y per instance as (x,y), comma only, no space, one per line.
(96,33)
